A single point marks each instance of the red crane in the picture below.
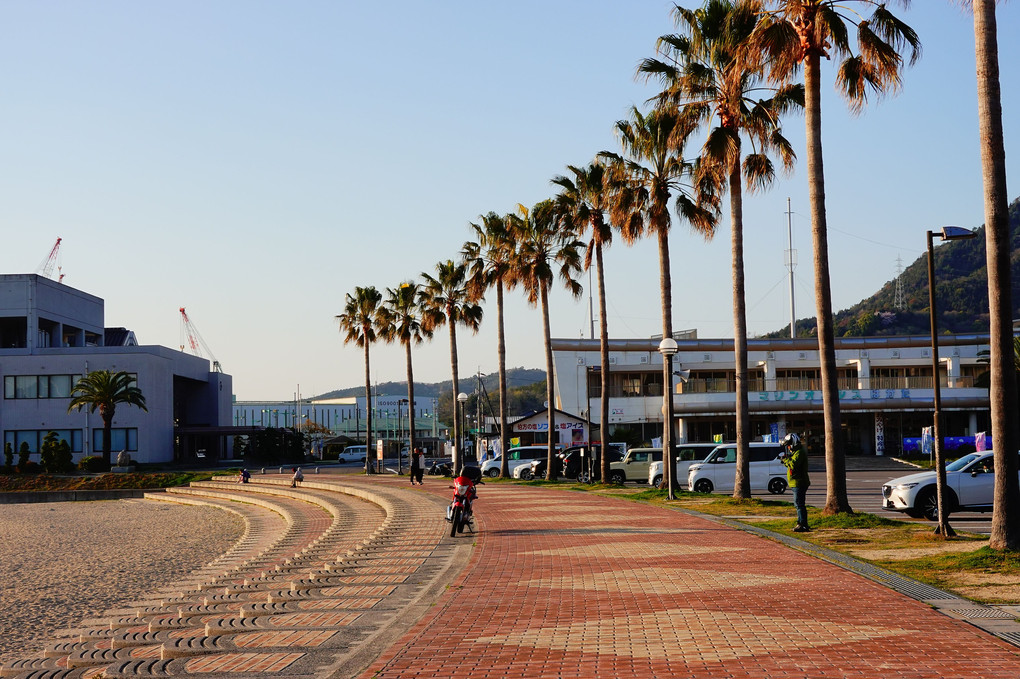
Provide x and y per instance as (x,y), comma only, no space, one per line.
(46,268)
(195,340)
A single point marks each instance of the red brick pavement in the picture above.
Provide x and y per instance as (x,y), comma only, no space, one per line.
(567,585)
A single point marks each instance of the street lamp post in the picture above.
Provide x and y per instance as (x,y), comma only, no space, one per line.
(458,459)
(667,347)
(947,233)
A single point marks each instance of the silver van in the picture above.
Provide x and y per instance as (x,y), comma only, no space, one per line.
(718,470)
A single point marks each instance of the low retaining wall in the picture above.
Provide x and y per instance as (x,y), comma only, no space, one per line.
(72,495)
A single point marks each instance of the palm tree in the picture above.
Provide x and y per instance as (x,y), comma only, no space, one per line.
(545,249)
(103,390)
(358,323)
(582,205)
(712,79)
(1003,392)
(447,299)
(400,320)
(797,34)
(489,259)
(645,179)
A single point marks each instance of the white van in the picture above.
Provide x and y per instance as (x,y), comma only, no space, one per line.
(687,454)
(355,453)
(718,470)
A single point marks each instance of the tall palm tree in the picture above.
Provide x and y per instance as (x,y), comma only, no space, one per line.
(104,390)
(645,178)
(583,204)
(714,80)
(447,299)
(1003,392)
(358,323)
(546,249)
(796,34)
(400,320)
(490,265)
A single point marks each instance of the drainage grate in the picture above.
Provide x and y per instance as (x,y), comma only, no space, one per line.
(976,612)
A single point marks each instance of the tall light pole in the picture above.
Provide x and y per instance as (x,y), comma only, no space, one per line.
(947,233)
(667,347)
(459,453)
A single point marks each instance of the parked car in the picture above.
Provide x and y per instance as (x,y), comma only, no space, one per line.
(574,458)
(522,455)
(355,453)
(593,472)
(970,484)
(718,469)
(634,465)
(686,455)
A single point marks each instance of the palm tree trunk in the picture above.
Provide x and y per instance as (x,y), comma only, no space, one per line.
(107,438)
(836,500)
(742,480)
(1002,393)
(604,373)
(504,433)
(368,413)
(458,454)
(666,288)
(549,391)
(411,442)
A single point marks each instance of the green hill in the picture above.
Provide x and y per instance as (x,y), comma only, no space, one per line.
(961,287)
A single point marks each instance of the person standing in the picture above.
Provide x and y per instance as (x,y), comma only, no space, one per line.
(795,460)
(415,465)
(419,466)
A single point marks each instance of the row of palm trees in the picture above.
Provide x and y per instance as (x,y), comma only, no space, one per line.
(728,76)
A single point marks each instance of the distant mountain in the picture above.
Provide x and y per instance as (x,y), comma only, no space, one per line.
(515,377)
(961,286)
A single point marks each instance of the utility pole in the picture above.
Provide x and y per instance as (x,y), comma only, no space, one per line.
(791,262)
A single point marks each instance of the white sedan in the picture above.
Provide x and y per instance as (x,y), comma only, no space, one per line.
(970,485)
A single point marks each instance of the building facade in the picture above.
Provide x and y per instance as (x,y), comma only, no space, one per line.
(52,334)
(886,391)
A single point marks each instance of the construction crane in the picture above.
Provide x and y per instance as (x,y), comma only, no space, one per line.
(46,268)
(195,340)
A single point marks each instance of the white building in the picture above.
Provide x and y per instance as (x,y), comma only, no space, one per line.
(886,389)
(52,334)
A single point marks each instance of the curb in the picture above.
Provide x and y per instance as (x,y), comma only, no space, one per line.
(14,498)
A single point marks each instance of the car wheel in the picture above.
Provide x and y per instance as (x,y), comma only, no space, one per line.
(703,486)
(526,475)
(657,481)
(927,503)
(617,478)
(777,486)
(492,473)
(583,478)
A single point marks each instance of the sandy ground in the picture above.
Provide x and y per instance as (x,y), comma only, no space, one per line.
(62,562)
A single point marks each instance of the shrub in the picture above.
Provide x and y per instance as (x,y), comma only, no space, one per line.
(8,458)
(23,453)
(29,468)
(92,464)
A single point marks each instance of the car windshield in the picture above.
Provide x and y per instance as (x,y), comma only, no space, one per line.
(957,465)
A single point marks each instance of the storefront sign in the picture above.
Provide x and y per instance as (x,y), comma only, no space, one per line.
(844,395)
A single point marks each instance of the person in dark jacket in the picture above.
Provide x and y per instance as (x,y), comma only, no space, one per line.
(794,457)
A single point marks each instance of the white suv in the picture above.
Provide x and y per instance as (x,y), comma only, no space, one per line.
(970,484)
(686,455)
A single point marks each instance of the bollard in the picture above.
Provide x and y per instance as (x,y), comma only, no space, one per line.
(281,470)
(316,470)
(263,470)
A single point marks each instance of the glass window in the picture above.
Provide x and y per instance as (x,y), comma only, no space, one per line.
(60,386)
(26,386)
(120,439)
(9,391)
(29,437)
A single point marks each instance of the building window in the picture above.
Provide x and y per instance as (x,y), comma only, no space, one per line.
(39,386)
(35,437)
(120,439)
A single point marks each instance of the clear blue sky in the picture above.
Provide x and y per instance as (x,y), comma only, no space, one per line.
(254,161)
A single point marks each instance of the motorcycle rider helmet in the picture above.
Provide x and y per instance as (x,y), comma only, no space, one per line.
(791,440)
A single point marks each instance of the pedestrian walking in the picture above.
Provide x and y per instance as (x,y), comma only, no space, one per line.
(298,476)
(794,457)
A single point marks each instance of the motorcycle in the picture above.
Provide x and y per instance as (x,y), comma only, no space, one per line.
(459,513)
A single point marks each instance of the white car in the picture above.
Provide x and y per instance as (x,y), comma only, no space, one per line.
(970,484)
(516,457)
(686,455)
(718,470)
(355,453)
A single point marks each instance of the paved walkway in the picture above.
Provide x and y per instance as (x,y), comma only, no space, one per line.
(353,576)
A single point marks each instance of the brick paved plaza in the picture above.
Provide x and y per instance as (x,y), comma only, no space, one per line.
(353,576)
